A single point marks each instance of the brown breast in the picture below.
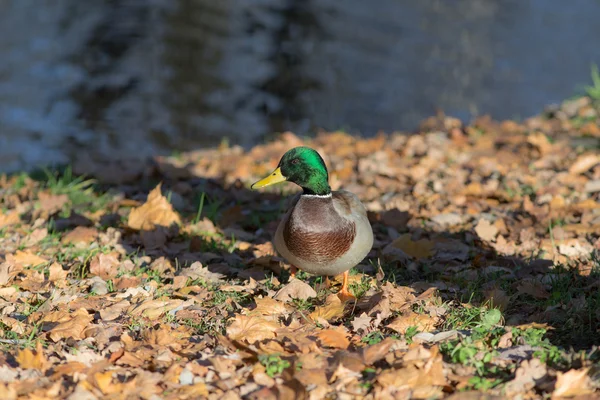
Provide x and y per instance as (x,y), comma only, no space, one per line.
(316,233)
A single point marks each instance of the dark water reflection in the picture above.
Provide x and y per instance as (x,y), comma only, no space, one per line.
(135,77)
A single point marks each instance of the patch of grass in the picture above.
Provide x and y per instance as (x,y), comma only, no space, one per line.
(410,333)
(360,288)
(221,297)
(273,363)
(373,338)
(80,191)
(303,304)
(204,326)
(470,317)
(593,90)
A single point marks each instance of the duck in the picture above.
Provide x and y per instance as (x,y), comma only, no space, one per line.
(323,232)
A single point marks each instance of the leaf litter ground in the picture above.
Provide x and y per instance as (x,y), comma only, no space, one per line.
(158,280)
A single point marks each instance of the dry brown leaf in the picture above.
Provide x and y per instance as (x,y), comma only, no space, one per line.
(296,289)
(423,322)
(528,373)
(333,309)
(361,323)
(424,379)
(104,265)
(56,273)
(486,231)
(373,353)
(50,203)
(419,249)
(575,382)
(156,211)
(8,219)
(29,359)
(72,328)
(26,259)
(533,288)
(153,309)
(334,338)
(498,298)
(115,311)
(584,163)
(8,271)
(251,329)
(270,308)
(81,236)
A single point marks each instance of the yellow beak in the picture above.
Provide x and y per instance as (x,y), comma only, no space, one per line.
(272,179)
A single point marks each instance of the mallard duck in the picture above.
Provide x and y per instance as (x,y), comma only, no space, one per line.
(323,232)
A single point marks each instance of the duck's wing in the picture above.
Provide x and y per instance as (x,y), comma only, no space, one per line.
(348,205)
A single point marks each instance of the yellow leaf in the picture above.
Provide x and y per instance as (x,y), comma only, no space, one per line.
(420,249)
(156,211)
(103,381)
(423,322)
(9,219)
(251,329)
(28,359)
(26,259)
(270,308)
(333,309)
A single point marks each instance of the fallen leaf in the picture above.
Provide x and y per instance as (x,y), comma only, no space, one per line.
(526,376)
(251,329)
(26,259)
(419,249)
(8,271)
(29,359)
(270,308)
(296,289)
(153,309)
(361,323)
(156,211)
(80,236)
(8,219)
(56,273)
(333,309)
(333,338)
(533,288)
(485,230)
(575,382)
(497,298)
(424,379)
(72,328)
(198,271)
(104,266)
(423,322)
(50,203)
(584,163)
(115,311)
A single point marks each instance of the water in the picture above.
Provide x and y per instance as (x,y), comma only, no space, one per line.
(131,78)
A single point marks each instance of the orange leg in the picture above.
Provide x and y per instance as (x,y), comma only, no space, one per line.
(327,282)
(293,271)
(344,294)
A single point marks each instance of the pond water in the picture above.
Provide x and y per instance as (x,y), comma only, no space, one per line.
(140,77)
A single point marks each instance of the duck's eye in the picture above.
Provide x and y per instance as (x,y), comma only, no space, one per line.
(295,161)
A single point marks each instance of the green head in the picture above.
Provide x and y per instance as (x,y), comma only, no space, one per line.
(303,166)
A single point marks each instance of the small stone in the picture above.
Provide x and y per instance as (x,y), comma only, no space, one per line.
(186,377)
